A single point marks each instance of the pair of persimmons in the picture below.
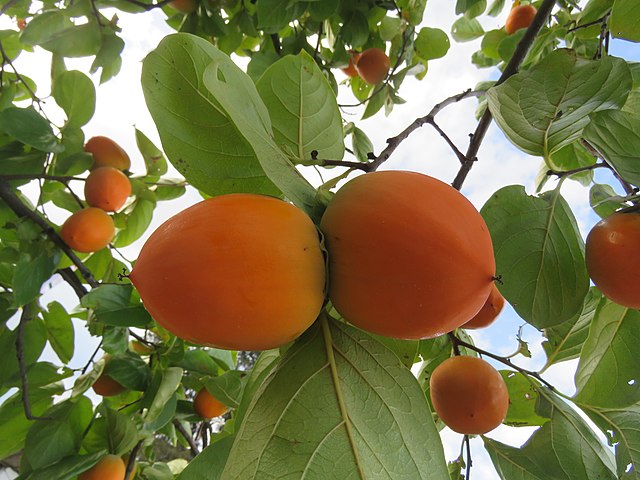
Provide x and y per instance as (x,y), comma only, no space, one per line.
(106,189)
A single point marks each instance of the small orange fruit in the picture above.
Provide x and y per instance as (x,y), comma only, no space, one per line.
(519,17)
(107,188)
(489,311)
(107,386)
(110,467)
(107,153)
(238,271)
(207,406)
(373,65)
(88,230)
(350,70)
(184,6)
(22,23)
(469,395)
(613,258)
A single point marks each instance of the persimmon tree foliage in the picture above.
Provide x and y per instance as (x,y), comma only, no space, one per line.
(338,401)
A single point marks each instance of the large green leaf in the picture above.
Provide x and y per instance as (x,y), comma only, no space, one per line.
(31,273)
(564,448)
(625,17)
(607,374)
(60,331)
(198,136)
(303,108)
(209,463)
(30,128)
(547,107)
(338,405)
(75,93)
(539,254)
(616,135)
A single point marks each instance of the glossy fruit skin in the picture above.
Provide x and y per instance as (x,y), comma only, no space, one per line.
(489,311)
(207,406)
(107,386)
(350,70)
(185,6)
(469,395)
(107,153)
(373,65)
(238,271)
(107,188)
(409,256)
(519,17)
(110,467)
(88,230)
(612,255)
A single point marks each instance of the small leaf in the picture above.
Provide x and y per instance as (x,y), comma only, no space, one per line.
(362,145)
(74,92)
(31,273)
(136,221)
(153,157)
(60,331)
(604,200)
(227,387)
(170,382)
(30,128)
(466,29)
(431,43)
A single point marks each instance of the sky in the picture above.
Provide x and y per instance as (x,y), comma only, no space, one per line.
(120,108)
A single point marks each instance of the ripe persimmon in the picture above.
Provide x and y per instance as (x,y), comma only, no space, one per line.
(613,258)
(238,271)
(350,70)
(107,188)
(184,6)
(88,230)
(110,467)
(107,153)
(409,256)
(107,386)
(22,23)
(519,17)
(489,311)
(207,406)
(373,65)
(469,395)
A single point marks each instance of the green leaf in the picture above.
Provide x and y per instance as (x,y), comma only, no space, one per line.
(376,102)
(431,43)
(35,339)
(539,254)
(362,145)
(30,128)
(353,395)
(276,14)
(355,30)
(564,448)
(491,41)
(263,367)
(547,107)
(471,8)
(112,305)
(303,108)
(209,463)
(170,382)
(153,157)
(227,387)
(466,29)
(66,469)
(390,27)
(74,92)
(414,9)
(564,342)
(129,370)
(496,8)
(523,397)
(75,41)
(604,200)
(108,57)
(624,20)
(59,331)
(45,26)
(616,135)
(31,273)
(114,432)
(607,374)
(198,135)
(136,222)
(52,439)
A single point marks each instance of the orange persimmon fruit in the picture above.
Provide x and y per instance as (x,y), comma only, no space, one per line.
(409,256)
(612,253)
(184,6)
(237,271)
(350,70)
(469,395)
(207,406)
(107,386)
(88,230)
(107,153)
(107,188)
(373,65)
(110,467)
(519,17)
(489,311)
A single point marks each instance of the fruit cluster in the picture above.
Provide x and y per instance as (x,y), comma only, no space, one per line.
(106,189)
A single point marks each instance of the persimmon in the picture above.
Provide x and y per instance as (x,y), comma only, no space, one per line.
(350,70)
(107,188)
(110,467)
(238,271)
(184,6)
(489,311)
(469,395)
(519,17)
(207,406)
(107,386)
(140,348)
(409,256)
(613,258)
(88,230)
(107,153)
(373,65)
(22,23)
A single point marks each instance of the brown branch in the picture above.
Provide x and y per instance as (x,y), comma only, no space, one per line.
(567,173)
(590,24)
(57,178)
(366,167)
(187,436)
(511,69)
(275,40)
(132,461)
(72,279)
(20,209)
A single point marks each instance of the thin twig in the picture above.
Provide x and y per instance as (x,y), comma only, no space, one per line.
(317,49)
(590,24)
(187,436)
(93,355)
(71,278)
(132,461)
(469,461)
(568,173)
(345,163)
(275,40)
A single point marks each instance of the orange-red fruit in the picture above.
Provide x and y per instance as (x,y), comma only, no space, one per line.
(207,406)
(107,386)
(88,230)
(489,311)
(107,188)
(238,271)
(22,23)
(519,17)
(184,6)
(373,65)
(613,258)
(350,70)
(110,467)
(409,256)
(107,153)
(469,395)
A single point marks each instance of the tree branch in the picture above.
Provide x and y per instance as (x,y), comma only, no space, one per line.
(132,461)
(511,69)
(187,436)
